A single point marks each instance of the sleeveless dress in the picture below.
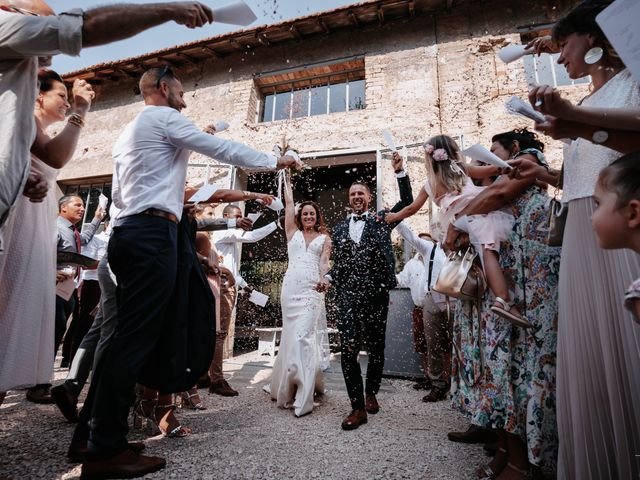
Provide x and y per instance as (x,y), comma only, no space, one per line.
(27,289)
(297,369)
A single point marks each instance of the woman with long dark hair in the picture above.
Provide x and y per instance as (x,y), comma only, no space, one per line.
(297,370)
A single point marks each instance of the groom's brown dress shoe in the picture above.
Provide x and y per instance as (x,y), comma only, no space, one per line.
(354,420)
(127,464)
(77,452)
(371,404)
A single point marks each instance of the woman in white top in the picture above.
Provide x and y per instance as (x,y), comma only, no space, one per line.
(598,386)
(28,272)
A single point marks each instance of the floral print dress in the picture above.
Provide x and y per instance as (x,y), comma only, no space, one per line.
(503,376)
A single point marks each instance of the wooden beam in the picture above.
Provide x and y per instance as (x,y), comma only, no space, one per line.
(380,16)
(295,32)
(126,73)
(212,51)
(323,25)
(189,59)
(236,44)
(353,18)
(170,61)
(262,38)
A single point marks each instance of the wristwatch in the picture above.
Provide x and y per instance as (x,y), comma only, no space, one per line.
(600,136)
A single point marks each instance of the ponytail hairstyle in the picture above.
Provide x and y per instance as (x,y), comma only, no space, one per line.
(524,137)
(444,163)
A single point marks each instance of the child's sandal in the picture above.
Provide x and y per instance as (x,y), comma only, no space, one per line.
(502,308)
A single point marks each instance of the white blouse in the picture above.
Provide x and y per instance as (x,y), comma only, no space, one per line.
(583,160)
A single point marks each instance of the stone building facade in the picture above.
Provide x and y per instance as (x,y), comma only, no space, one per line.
(429,67)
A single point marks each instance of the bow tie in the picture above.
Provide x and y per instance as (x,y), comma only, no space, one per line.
(358,218)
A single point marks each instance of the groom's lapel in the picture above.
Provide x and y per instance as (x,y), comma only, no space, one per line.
(369,228)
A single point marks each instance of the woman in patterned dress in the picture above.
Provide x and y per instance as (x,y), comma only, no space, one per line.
(503,376)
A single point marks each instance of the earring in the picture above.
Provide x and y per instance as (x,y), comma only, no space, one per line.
(593,55)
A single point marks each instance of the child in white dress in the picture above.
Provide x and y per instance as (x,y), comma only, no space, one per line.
(450,188)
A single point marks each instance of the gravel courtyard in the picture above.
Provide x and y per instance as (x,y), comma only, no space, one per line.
(248,437)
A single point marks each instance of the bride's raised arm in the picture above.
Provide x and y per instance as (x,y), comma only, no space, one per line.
(290,226)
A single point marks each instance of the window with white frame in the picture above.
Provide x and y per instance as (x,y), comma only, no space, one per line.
(318,89)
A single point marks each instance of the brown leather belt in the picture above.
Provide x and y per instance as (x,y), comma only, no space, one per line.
(161,213)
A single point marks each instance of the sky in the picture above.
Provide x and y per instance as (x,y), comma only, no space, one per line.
(171,34)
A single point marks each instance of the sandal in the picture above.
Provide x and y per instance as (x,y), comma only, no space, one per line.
(191,399)
(164,424)
(502,308)
(144,418)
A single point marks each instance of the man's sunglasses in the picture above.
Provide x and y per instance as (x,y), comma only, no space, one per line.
(165,72)
(22,11)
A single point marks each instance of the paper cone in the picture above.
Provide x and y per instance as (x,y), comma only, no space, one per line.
(221,126)
(511,53)
(480,153)
(237,13)
(389,139)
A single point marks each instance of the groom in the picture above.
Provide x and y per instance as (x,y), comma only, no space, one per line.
(363,273)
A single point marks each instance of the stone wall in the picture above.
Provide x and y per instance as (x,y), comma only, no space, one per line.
(424,76)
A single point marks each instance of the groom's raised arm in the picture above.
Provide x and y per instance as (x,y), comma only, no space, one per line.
(404,185)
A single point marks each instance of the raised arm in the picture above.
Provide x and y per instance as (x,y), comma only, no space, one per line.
(411,209)
(424,247)
(111,23)
(290,226)
(482,171)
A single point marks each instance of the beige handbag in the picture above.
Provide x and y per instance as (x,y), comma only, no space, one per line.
(461,276)
(557,219)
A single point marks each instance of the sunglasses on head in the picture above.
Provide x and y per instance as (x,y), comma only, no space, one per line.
(22,11)
(165,72)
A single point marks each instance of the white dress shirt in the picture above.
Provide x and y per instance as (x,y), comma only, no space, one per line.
(150,160)
(23,39)
(424,247)
(227,242)
(357,227)
(413,277)
(96,249)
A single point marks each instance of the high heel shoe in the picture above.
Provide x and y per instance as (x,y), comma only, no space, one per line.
(191,399)
(143,419)
(164,413)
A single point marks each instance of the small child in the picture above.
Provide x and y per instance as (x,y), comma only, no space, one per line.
(616,219)
(451,189)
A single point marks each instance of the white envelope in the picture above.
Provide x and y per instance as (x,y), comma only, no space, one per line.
(258,298)
(389,139)
(619,22)
(512,52)
(253,216)
(478,152)
(103,201)
(276,205)
(204,193)
(237,13)
(221,126)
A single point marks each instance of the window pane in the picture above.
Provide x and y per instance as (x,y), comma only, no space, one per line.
(545,65)
(338,98)
(92,202)
(283,106)
(356,95)
(529,70)
(267,111)
(319,100)
(300,105)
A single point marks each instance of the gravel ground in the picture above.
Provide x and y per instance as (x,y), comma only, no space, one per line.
(248,437)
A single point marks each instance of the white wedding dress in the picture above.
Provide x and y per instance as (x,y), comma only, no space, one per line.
(304,348)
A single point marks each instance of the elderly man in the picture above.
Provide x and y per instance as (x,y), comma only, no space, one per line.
(150,165)
(29,34)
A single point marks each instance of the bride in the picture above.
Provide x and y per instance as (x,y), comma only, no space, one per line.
(303,353)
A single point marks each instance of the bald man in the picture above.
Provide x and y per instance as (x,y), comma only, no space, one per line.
(30,33)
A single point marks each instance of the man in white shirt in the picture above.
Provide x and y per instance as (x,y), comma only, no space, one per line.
(227,244)
(437,327)
(30,33)
(150,163)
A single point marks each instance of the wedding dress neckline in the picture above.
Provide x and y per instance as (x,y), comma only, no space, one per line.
(307,245)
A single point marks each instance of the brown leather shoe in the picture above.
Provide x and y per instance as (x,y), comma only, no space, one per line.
(67,403)
(223,388)
(474,434)
(126,464)
(354,420)
(39,394)
(371,404)
(436,394)
(204,381)
(77,452)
